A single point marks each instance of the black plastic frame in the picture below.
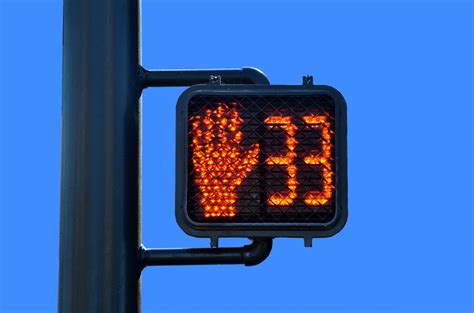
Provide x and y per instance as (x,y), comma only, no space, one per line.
(268,230)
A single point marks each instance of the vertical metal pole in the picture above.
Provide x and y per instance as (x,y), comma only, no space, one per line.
(101,158)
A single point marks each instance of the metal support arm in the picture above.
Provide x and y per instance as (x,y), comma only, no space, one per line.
(177,78)
(260,248)
(252,254)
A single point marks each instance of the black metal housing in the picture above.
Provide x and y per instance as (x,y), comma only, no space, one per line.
(229,229)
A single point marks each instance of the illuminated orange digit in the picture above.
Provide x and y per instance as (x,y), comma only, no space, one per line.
(220,162)
(323,159)
(275,122)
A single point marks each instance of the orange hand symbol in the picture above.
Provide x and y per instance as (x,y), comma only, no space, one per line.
(220,162)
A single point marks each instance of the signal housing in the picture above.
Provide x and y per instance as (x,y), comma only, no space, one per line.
(275,178)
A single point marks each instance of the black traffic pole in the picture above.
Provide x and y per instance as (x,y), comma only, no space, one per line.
(100,253)
(100,162)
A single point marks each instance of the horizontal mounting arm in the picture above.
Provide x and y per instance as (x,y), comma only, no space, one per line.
(252,254)
(249,255)
(177,78)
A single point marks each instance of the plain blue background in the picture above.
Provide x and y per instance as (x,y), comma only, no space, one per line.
(405,69)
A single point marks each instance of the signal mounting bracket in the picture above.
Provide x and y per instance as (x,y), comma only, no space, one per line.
(249,255)
(308,80)
(215,79)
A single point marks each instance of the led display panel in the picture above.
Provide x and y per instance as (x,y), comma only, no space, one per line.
(261,161)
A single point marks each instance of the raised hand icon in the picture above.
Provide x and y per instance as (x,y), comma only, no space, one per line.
(220,162)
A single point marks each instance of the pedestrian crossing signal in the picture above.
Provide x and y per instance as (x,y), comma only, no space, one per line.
(261,161)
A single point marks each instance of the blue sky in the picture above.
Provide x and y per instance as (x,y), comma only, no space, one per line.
(405,69)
